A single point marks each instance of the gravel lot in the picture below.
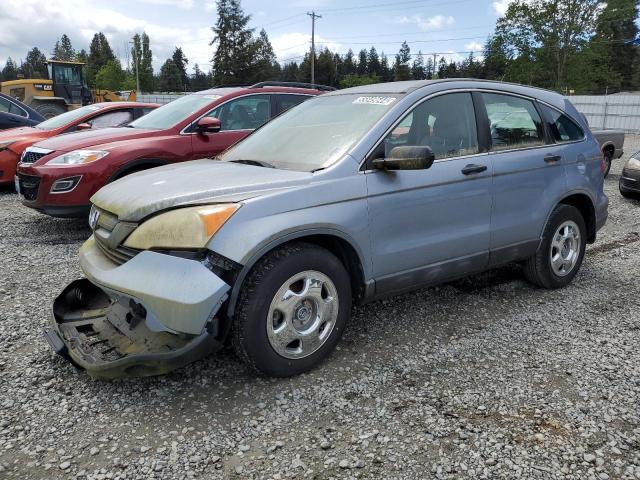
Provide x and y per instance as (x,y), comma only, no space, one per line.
(481,378)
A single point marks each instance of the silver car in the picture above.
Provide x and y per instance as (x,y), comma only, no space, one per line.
(349,197)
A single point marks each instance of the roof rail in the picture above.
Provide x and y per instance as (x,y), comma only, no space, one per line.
(315,86)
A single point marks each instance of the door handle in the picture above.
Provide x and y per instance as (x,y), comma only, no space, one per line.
(473,168)
(552,158)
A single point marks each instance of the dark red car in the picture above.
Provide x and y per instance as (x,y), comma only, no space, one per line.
(58,176)
(98,115)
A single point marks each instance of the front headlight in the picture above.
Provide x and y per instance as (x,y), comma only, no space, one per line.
(4,145)
(189,227)
(633,163)
(78,156)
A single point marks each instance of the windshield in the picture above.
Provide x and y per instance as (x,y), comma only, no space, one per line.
(66,118)
(173,113)
(313,135)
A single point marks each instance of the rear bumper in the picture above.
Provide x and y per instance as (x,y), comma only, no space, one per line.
(151,315)
(8,164)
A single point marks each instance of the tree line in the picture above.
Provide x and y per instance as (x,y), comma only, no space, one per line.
(579,46)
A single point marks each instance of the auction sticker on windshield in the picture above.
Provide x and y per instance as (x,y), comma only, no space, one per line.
(375,100)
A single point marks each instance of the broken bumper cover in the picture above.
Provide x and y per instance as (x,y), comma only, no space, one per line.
(151,315)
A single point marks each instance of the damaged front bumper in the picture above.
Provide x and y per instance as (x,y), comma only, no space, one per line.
(148,316)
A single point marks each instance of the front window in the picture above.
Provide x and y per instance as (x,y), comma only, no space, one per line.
(446,124)
(245,113)
(67,118)
(315,134)
(173,113)
(67,75)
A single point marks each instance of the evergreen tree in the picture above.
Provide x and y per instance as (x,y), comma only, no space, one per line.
(63,50)
(170,77)
(385,72)
(181,62)
(10,70)
(349,64)
(35,66)
(363,67)
(100,53)
(417,68)
(373,62)
(429,70)
(496,59)
(199,81)
(233,44)
(401,70)
(290,72)
(265,64)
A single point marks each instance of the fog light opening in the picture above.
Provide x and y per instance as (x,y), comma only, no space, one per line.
(65,184)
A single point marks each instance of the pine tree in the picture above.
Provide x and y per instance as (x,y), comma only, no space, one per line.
(265,64)
(100,53)
(417,68)
(373,62)
(401,69)
(63,50)
(181,62)
(10,70)
(348,65)
(199,81)
(232,59)
(35,65)
(170,78)
(363,67)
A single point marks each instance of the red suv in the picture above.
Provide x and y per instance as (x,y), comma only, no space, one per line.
(58,176)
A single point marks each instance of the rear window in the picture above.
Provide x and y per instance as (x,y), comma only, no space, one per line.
(562,128)
(514,122)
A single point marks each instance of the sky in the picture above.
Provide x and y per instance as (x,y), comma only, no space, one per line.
(451,28)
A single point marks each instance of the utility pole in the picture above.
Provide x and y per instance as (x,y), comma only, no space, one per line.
(313,16)
(135,61)
(435,67)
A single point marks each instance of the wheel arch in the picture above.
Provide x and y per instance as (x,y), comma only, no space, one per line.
(585,206)
(608,147)
(135,166)
(335,241)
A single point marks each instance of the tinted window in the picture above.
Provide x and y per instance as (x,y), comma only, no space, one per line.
(447,124)
(4,105)
(112,119)
(245,113)
(285,102)
(16,110)
(562,128)
(514,122)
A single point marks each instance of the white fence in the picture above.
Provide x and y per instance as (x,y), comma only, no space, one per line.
(160,98)
(610,111)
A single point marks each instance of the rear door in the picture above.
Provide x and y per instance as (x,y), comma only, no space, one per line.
(430,225)
(239,117)
(528,175)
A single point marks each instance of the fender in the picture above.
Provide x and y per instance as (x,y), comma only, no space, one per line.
(576,191)
(266,246)
(142,162)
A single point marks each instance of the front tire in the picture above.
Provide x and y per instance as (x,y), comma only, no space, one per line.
(561,253)
(292,310)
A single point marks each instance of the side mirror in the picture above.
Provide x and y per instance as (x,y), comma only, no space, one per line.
(83,126)
(406,158)
(208,125)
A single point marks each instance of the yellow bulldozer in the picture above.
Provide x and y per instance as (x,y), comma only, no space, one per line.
(65,89)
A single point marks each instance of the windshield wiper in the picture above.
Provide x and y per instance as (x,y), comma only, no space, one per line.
(257,163)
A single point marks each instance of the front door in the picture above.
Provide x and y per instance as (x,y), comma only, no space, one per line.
(239,117)
(430,225)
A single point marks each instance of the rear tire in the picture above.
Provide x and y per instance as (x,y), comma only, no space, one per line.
(608,159)
(292,310)
(49,110)
(562,249)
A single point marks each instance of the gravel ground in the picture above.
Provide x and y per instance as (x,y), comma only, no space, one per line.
(481,378)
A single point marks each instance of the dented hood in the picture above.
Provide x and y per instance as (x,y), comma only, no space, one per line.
(137,196)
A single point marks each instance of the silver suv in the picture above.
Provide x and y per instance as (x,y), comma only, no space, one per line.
(351,196)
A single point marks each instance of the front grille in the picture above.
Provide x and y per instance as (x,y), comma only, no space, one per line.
(29,185)
(31,157)
(629,183)
(118,255)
